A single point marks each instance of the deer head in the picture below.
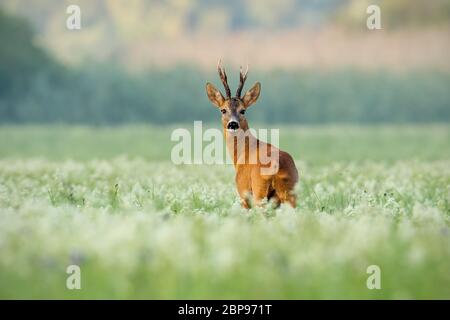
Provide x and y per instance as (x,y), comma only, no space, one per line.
(233,108)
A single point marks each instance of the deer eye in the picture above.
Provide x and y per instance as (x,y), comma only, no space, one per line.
(242,111)
(223,111)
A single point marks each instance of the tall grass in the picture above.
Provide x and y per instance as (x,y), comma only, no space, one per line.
(312,144)
(140,227)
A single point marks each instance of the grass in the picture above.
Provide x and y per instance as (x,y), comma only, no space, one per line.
(312,144)
(110,201)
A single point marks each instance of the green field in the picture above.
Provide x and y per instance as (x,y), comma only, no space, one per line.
(111,201)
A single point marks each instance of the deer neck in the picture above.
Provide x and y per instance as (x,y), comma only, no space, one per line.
(236,149)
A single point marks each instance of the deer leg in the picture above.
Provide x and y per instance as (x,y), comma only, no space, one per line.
(244,189)
(287,196)
(284,190)
(245,195)
(245,198)
(292,199)
(275,201)
(272,196)
(260,187)
(260,190)
(245,203)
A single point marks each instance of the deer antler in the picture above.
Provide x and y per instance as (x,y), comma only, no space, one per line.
(242,78)
(223,77)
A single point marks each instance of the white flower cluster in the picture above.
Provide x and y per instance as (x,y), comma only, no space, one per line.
(154,230)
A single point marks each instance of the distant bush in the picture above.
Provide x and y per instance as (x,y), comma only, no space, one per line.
(20,61)
(36,89)
(106,95)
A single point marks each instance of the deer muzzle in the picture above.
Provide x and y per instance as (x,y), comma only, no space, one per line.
(232,125)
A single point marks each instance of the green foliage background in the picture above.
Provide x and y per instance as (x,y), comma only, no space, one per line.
(34,88)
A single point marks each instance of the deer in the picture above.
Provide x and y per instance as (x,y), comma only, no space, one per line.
(263,172)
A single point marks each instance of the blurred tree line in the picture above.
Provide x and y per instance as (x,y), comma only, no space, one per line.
(396,14)
(34,88)
(153,18)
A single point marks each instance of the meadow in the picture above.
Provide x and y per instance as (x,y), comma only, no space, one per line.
(110,200)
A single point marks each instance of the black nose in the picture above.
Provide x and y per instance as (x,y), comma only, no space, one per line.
(233,125)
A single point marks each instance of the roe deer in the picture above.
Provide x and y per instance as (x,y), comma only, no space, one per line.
(274,179)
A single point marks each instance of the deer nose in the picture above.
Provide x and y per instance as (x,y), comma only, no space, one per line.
(233,125)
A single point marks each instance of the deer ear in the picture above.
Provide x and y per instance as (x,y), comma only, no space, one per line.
(252,95)
(214,95)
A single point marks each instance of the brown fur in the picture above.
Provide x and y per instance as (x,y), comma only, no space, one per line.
(250,181)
